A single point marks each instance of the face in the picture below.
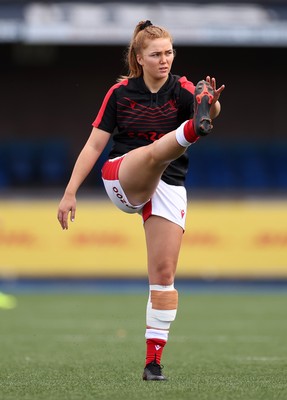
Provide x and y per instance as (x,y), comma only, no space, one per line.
(156,59)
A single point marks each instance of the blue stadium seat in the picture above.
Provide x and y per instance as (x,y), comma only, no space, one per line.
(253,168)
(4,170)
(54,163)
(21,163)
(278,165)
(221,171)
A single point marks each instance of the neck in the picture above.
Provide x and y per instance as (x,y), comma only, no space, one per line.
(154,85)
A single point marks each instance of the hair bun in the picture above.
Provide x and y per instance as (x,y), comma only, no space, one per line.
(145,24)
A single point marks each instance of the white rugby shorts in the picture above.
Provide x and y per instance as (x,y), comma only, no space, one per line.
(168,201)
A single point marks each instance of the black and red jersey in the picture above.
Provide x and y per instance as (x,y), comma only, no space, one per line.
(136,117)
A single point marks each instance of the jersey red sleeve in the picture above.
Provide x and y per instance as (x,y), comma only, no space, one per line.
(106,118)
(186,98)
(186,84)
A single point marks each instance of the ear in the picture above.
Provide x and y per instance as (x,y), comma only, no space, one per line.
(139,59)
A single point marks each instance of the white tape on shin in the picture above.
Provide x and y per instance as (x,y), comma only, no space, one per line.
(161,308)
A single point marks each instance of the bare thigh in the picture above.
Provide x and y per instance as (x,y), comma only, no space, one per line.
(163,240)
(142,168)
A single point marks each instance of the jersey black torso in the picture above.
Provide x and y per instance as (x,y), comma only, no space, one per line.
(136,117)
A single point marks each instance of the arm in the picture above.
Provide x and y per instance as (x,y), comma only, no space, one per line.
(85,162)
(215,107)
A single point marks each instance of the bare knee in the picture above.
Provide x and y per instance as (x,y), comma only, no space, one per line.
(162,273)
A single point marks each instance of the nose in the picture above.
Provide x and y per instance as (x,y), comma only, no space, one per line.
(163,59)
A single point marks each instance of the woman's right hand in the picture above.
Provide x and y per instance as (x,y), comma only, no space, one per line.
(67,205)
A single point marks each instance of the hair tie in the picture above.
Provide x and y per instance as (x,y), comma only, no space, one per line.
(145,25)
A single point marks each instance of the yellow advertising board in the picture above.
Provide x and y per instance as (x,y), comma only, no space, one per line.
(222,239)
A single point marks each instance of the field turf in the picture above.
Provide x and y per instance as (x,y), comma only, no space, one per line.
(92,346)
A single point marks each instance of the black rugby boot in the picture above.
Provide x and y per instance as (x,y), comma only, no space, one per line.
(203,97)
(152,372)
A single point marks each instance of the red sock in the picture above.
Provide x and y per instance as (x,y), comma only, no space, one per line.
(154,348)
(189,132)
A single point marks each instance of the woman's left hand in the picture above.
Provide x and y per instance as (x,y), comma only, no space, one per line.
(217,92)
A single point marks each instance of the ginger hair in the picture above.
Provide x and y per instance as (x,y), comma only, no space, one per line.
(138,42)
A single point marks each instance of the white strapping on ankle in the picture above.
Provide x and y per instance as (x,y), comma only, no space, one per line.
(179,135)
(162,287)
(156,334)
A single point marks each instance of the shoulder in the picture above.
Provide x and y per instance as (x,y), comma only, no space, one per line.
(112,92)
(118,85)
(186,84)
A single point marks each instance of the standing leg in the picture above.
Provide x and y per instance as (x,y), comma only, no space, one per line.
(163,239)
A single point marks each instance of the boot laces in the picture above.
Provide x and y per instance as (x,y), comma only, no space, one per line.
(155,368)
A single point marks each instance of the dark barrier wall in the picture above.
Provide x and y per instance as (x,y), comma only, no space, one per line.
(47,91)
(54,93)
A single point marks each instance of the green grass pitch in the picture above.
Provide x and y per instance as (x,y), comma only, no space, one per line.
(92,346)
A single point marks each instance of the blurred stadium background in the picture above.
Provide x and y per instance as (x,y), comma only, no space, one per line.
(57,61)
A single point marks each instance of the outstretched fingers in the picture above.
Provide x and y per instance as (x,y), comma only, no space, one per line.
(217,92)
